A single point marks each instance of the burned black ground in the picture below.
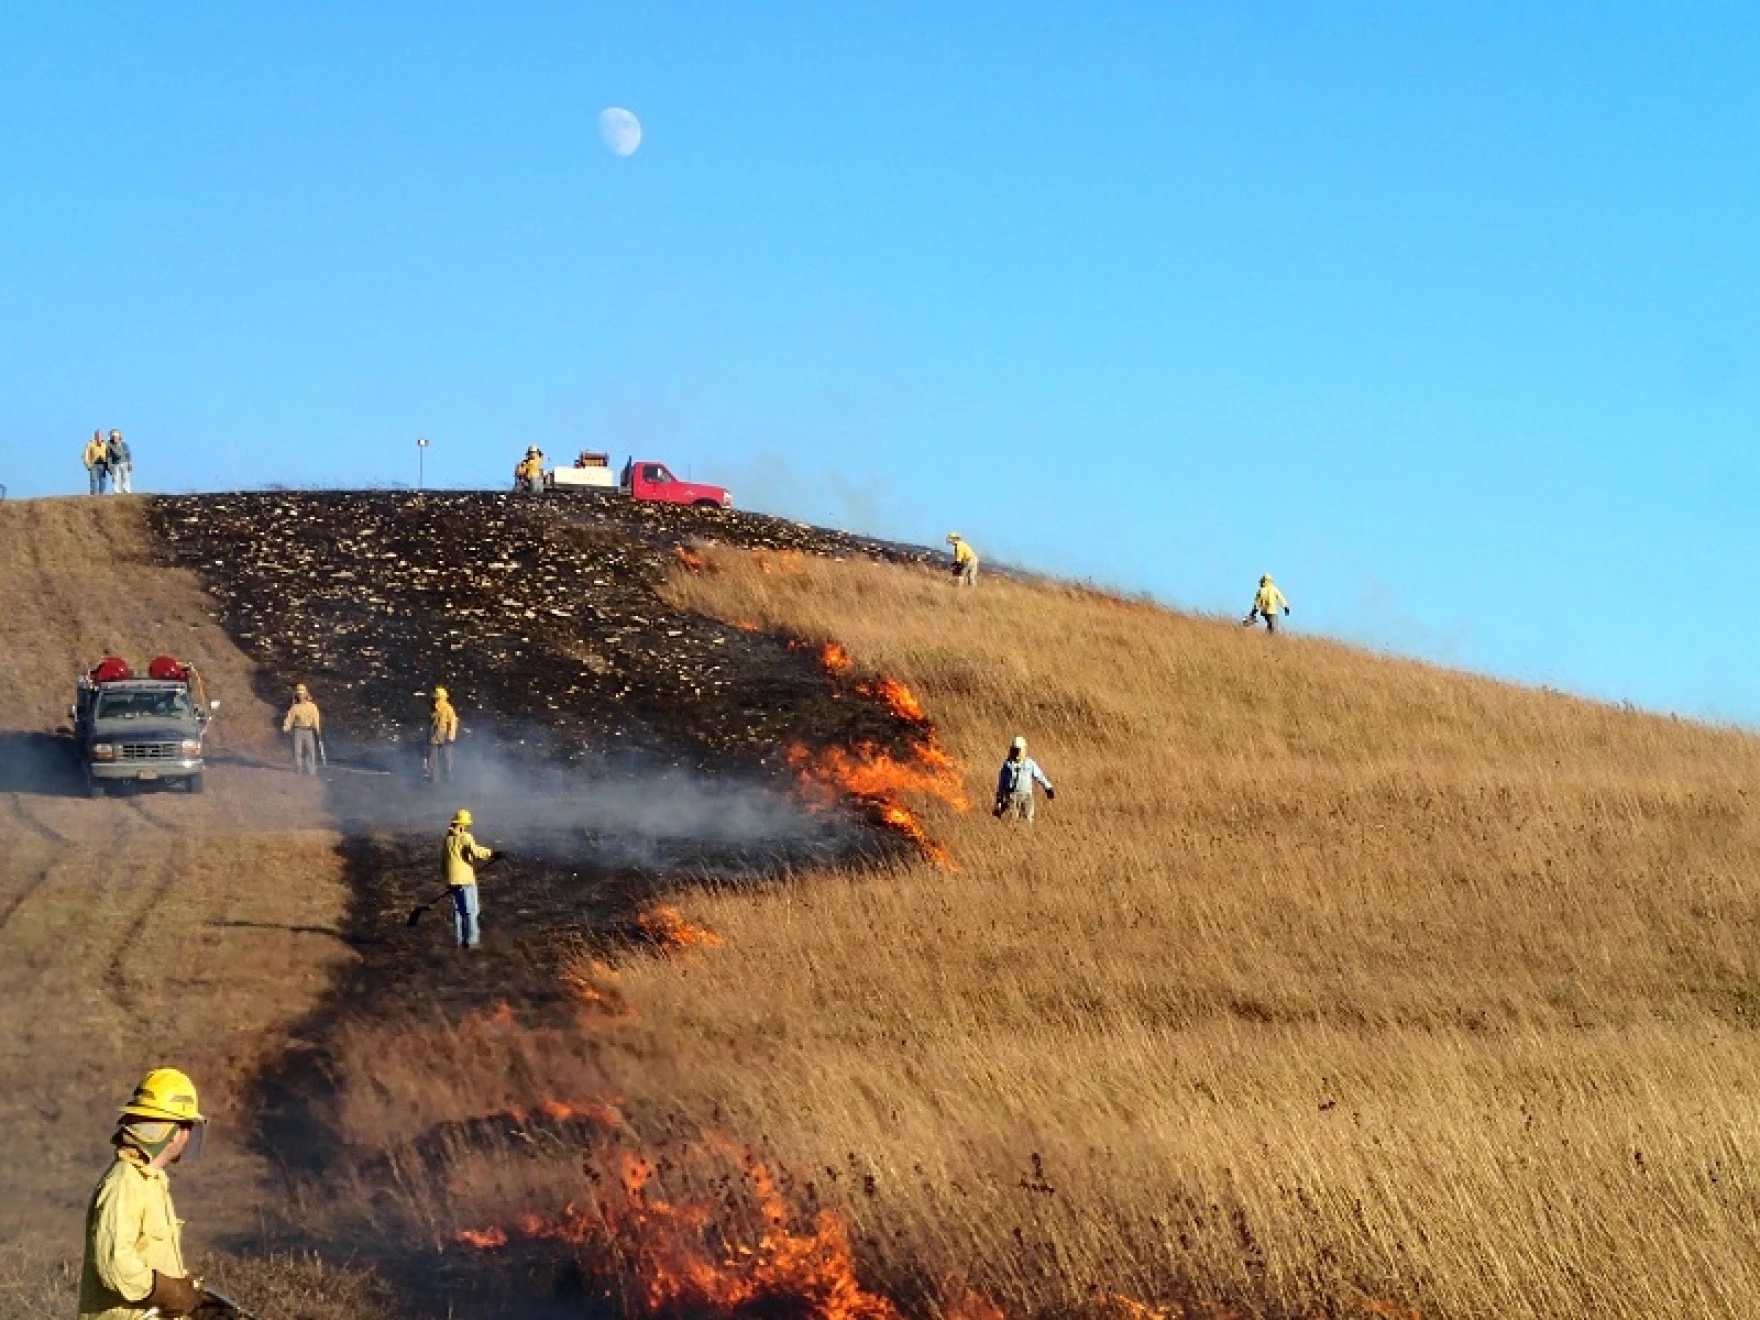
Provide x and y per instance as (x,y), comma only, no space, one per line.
(612,746)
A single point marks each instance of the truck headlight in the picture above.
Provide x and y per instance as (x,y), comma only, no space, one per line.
(192,746)
(103,751)
(727,499)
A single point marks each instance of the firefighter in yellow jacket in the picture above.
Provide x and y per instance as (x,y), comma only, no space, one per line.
(528,475)
(459,855)
(1266,605)
(134,1245)
(442,733)
(307,727)
(965,561)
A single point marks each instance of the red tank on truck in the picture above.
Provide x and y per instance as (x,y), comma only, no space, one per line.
(641,479)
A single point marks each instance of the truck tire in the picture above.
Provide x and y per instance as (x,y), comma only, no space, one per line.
(195,783)
(708,504)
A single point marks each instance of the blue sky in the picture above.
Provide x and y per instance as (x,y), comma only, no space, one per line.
(1443,314)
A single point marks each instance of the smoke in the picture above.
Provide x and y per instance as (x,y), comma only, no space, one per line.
(616,810)
(41,764)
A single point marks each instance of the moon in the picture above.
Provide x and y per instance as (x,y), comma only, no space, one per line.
(621,130)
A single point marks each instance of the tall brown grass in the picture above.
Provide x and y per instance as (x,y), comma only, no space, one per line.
(1329,981)
(1329,985)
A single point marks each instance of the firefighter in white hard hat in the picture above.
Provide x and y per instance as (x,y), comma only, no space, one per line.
(459,856)
(1266,605)
(134,1239)
(307,726)
(965,561)
(1014,785)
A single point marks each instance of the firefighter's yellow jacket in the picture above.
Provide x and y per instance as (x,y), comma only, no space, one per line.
(964,554)
(1269,600)
(302,715)
(131,1230)
(456,856)
(443,723)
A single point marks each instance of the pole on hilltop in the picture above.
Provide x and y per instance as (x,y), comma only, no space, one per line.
(421,456)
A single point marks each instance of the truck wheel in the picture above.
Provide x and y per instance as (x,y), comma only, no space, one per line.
(708,504)
(195,783)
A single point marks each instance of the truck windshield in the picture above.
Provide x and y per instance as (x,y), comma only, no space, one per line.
(144,706)
(654,472)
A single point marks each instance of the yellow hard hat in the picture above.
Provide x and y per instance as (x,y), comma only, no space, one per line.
(1264,579)
(463,817)
(953,536)
(439,694)
(299,689)
(165,1093)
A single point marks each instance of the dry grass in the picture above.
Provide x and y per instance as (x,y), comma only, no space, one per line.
(37,1284)
(1328,980)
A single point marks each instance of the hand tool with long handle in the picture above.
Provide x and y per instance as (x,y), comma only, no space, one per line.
(415,913)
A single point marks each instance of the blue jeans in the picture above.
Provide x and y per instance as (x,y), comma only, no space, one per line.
(464,916)
(98,473)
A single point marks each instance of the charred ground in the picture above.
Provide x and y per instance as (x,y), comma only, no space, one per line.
(611,744)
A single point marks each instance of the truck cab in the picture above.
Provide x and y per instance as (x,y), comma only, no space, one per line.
(132,729)
(645,479)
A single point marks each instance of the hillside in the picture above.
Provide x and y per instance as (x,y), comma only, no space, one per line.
(1330,984)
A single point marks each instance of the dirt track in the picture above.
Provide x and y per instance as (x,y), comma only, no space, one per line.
(152,928)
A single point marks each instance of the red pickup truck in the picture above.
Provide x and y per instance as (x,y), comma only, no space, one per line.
(646,480)
(642,479)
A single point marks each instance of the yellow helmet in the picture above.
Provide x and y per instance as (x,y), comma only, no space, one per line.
(299,689)
(165,1093)
(464,818)
(953,536)
(439,694)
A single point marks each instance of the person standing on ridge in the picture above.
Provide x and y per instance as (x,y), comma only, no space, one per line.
(965,561)
(1266,605)
(529,474)
(97,462)
(121,464)
(1014,785)
(307,726)
(459,856)
(442,733)
(134,1239)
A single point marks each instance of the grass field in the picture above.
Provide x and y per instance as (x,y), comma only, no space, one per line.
(1330,983)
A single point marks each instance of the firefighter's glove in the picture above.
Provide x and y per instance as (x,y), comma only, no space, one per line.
(172,1295)
(1286,611)
(998,809)
(1051,795)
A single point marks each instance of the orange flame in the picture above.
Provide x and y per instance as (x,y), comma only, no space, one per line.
(594,983)
(899,698)
(666,927)
(692,560)
(483,1239)
(875,778)
(835,659)
(748,625)
(684,1259)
